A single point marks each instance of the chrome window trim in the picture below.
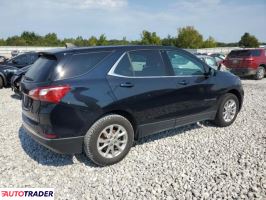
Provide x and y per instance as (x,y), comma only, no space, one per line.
(112,73)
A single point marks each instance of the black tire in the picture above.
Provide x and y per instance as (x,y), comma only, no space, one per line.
(91,139)
(219,119)
(260,73)
(1,82)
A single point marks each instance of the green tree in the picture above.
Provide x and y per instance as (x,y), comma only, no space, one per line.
(102,41)
(80,42)
(209,43)
(189,37)
(31,38)
(148,38)
(248,40)
(92,41)
(2,42)
(15,41)
(169,41)
(51,39)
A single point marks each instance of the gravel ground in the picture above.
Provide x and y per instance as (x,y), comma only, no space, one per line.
(194,162)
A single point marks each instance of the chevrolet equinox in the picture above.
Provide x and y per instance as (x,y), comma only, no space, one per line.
(101,99)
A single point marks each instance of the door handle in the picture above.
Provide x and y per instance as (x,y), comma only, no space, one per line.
(127,84)
(183,82)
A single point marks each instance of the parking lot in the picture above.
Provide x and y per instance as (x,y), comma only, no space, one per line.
(196,161)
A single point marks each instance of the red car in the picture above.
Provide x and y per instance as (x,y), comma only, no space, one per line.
(247,62)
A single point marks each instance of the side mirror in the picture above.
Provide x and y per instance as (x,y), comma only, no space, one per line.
(210,72)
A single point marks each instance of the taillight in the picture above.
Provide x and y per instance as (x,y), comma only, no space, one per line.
(249,59)
(52,94)
(50,135)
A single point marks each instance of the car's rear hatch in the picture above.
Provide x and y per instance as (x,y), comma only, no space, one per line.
(38,75)
(241,58)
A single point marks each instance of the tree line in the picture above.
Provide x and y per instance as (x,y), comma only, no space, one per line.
(187,37)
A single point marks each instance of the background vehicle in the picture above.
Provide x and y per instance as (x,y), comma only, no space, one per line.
(209,61)
(9,67)
(16,78)
(219,59)
(103,98)
(21,60)
(247,62)
(218,55)
(14,53)
(2,59)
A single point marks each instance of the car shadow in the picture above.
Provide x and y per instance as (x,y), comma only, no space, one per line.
(44,156)
(173,132)
(15,96)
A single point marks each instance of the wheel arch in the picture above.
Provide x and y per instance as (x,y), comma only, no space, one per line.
(238,95)
(128,116)
(4,79)
(263,65)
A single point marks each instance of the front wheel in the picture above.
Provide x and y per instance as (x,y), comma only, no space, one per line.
(109,140)
(260,73)
(227,111)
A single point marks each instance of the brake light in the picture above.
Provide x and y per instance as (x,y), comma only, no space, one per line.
(52,94)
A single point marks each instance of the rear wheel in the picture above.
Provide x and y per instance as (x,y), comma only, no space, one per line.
(227,111)
(260,73)
(109,140)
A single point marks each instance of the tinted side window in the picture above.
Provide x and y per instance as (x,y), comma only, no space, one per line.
(21,60)
(40,70)
(124,67)
(147,63)
(81,63)
(255,52)
(183,64)
(32,58)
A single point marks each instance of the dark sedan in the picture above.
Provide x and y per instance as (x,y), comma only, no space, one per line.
(10,66)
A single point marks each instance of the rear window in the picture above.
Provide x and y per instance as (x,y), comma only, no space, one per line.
(244,53)
(80,64)
(40,70)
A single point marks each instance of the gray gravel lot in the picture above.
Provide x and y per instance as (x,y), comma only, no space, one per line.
(194,162)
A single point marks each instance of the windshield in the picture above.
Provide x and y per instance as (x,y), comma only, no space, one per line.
(244,53)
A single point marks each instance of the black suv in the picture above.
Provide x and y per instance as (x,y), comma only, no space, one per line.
(101,99)
(9,67)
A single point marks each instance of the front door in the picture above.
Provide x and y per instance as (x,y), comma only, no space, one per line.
(195,91)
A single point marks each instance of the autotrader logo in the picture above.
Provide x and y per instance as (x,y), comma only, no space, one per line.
(26,193)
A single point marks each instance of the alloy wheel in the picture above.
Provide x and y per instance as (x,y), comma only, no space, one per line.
(229,110)
(112,141)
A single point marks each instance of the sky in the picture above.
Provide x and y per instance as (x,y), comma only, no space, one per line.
(225,20)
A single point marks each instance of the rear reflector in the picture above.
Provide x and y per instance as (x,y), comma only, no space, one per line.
(52,94)
(50,136)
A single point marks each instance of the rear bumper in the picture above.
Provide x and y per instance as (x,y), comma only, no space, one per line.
(243,71)
(71,145)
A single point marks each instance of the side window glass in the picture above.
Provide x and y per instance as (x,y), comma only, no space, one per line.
(147,63)
(32,58)
(210,62)
(124,67)
(20,60)
(184,65)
